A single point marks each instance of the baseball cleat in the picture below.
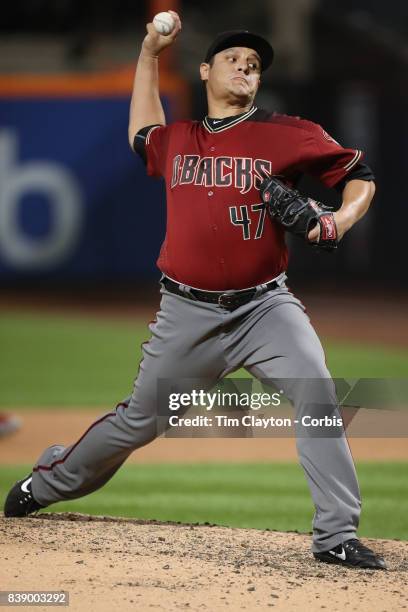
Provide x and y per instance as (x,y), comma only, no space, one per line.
(352,553)
(20,500)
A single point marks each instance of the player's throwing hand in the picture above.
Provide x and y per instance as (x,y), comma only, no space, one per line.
(154,43)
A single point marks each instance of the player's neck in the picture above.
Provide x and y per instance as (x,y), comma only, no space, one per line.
(219,110)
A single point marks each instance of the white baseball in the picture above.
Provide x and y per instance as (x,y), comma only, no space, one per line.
(164,23)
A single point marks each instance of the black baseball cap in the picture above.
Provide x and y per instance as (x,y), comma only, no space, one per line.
(242,38)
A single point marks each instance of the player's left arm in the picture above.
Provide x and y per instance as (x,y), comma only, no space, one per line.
(340,168)
(357,196)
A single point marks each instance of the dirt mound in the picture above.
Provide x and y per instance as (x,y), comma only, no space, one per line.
(108,563)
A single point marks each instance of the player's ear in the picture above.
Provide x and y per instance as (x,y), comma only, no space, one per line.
(204,70)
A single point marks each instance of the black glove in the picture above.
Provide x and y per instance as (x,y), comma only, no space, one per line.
(299,214)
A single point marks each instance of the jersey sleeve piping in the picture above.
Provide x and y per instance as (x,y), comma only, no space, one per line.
(141,139)
(150,131)
(344,170)
(357,156)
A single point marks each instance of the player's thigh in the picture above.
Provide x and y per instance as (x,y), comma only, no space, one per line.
(291,357)
(182,354)
(284,342)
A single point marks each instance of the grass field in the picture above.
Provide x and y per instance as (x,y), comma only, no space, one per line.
(261,496)
(60,361)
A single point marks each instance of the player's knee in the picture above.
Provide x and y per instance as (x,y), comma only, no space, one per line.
(310,363)
(146,435)
(139,429)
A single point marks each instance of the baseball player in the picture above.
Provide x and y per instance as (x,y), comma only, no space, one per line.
(224,301)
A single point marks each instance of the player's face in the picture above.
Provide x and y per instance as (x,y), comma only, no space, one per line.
(234,74)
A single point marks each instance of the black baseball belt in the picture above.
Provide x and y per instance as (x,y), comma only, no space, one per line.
(228,300)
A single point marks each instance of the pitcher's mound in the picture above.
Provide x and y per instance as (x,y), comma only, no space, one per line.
(107,563)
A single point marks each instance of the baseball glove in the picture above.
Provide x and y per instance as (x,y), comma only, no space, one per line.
(299,214)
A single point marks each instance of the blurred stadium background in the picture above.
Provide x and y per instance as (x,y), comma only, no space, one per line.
(81,224)
(76,206)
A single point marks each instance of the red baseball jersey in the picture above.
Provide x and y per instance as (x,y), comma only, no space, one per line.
(218,235)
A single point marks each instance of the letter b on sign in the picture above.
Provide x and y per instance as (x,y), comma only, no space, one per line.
(64,196)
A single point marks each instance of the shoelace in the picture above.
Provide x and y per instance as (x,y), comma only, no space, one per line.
(355,545)
(26,498)
(32,504)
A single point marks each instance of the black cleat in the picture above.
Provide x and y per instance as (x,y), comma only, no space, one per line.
(352,553)
(20,500)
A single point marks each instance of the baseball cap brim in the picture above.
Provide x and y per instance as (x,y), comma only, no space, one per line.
(242,38)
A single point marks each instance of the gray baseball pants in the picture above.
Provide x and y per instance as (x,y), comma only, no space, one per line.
(272,338)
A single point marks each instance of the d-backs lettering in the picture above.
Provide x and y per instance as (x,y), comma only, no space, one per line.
(243,173)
